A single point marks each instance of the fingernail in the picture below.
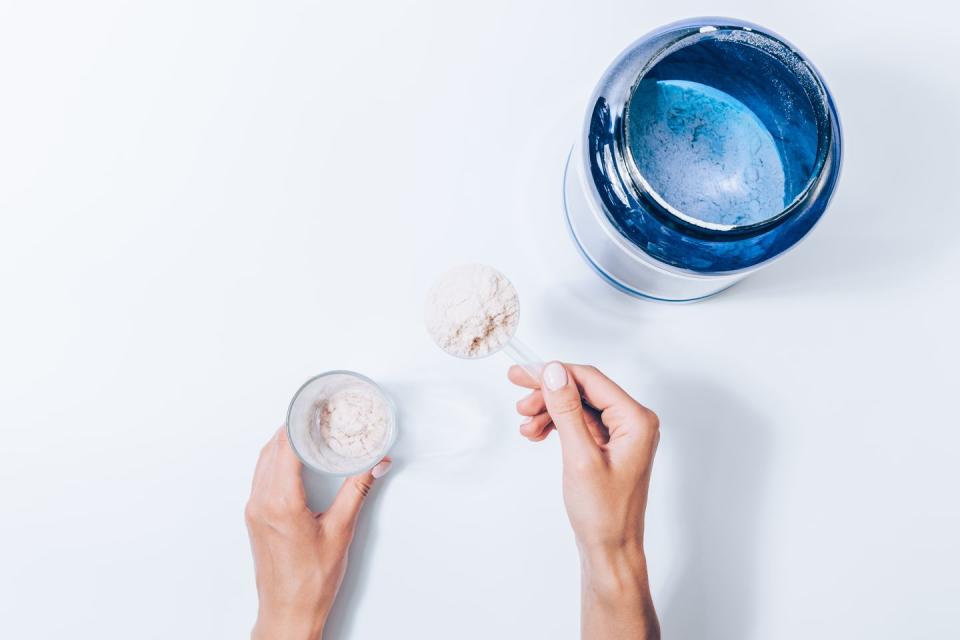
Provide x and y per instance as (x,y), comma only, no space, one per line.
(554,376)
(381,468)
(526,420)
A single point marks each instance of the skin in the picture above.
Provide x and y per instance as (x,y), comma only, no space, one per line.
(300,556)
(608,445)
(607,448)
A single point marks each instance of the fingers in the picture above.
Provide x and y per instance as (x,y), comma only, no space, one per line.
(520,377)
(596,427)
(599,390)
(352,494)
(562,398)
(596,388)
(287,480)
(531,404)
(277,491)
(536,428)
(264,461)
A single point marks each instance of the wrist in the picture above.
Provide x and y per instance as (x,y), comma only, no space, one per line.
(614,572)
(615,598)
(278,626)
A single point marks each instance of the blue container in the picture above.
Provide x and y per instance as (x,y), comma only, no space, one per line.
(709,148)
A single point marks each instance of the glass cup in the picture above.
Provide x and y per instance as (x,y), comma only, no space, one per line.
(302,417)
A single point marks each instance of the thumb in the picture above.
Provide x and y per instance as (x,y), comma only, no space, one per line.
(562,397)
(353,492)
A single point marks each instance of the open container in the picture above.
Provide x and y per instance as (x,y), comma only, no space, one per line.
(710,147)
(302,418)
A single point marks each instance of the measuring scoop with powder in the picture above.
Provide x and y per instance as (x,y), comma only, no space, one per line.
(472,311)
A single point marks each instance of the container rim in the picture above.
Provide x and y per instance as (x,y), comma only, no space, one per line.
(740,34)
(388,443)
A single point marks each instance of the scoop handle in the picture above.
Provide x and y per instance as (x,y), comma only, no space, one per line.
(523,356)
(531,363)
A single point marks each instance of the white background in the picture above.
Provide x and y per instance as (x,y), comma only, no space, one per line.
(205,203)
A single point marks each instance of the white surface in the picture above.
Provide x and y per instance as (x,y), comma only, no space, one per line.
(185,189)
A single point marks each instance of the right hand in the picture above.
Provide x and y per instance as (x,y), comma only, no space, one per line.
(608,448)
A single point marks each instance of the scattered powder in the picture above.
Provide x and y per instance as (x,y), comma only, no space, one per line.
(706,153)
(472,311)
(351,422)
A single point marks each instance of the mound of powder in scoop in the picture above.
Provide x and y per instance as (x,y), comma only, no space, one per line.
(472,311)
(352,422)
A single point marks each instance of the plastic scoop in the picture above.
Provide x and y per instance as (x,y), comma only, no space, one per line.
(523,356)
(473,311)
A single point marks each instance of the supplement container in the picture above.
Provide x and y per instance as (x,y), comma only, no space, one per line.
(303,423)
(710,147)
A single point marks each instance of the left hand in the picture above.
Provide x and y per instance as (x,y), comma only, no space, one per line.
(300,556)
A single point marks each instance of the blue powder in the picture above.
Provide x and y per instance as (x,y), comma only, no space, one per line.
(705,153)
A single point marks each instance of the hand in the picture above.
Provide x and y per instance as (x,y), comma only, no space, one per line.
(300,556)
(607,449)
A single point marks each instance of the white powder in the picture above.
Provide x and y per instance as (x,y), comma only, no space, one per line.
(351,422)
(706,153)
(472,311)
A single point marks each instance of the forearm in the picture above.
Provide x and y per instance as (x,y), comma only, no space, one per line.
(615,596)
(288,627)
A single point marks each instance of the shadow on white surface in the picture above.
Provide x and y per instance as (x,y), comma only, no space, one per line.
(590,307)
(887,225)
(445,425)
(340,622)
(889,222)
(720,449)
(321,490)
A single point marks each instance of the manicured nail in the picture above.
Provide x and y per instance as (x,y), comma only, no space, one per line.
(554,376)
(381,468)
